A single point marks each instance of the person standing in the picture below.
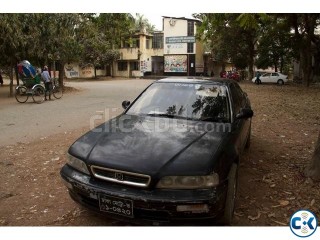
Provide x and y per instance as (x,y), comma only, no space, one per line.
(258,80)
(47,82)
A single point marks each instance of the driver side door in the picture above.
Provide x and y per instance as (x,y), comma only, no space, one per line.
(265,78)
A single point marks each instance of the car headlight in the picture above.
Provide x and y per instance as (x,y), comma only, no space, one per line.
(77,164)
(189,182)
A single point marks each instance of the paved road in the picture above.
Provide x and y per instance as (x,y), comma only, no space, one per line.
(28,121)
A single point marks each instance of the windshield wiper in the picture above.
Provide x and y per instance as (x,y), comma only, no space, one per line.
(161,115)
(213,119)
(168,116)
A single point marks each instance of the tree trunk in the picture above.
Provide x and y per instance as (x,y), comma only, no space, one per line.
(54,69)
(281,64)
(313,170)
(11,81)
(251,60)
(275,67)
(306,60)
(250,70)
(61,74)
(95,71)
(17,74)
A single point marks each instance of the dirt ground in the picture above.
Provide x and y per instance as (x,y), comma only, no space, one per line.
(271,186)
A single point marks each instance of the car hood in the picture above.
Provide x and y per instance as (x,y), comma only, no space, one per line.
(136,144)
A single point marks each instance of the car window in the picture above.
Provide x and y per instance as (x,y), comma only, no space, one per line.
(237,97)
(266,75)
(184,100)
(275,74)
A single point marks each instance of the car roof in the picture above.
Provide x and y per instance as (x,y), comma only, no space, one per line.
(197,80)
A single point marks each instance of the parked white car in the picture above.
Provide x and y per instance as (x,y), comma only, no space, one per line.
(275,77)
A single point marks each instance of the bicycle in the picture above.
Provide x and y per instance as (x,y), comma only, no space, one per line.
(56,89)
(30,87)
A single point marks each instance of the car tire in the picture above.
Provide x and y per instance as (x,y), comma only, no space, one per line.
(231,194)
(280,82)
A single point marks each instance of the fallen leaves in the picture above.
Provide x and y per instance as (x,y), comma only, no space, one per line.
(280,223)
(254,218)
(282,203)
(271,215)
(312,202)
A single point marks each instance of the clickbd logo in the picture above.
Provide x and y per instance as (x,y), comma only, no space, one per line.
(303,223)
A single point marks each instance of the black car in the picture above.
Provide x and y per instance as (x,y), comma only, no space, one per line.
(172,155)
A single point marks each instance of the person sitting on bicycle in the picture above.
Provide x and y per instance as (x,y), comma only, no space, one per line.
(47,82)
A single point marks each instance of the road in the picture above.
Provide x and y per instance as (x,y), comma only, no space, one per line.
(29,121)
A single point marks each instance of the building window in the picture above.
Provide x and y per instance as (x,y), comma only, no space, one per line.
(125,44)
(122,66)
(190,28)
(190,48)
(157,41)
(134,66)
(136,43)
(147,43)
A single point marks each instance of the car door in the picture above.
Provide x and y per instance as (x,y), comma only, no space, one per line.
(245,123)
(238,124)
(265,78)
(274,77)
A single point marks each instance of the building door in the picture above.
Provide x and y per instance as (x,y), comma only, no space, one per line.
(108,70)
(157,65)
(192,65)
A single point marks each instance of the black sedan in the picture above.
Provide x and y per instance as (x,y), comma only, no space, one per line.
(171,156)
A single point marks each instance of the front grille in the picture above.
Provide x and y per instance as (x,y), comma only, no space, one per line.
(122,177)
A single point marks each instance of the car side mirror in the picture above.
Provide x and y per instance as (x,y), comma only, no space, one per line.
(244,113)
(125,104)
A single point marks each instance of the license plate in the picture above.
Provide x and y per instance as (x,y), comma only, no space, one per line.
(116,205)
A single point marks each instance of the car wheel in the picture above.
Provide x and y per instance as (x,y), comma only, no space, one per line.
(231,194)
(280,82)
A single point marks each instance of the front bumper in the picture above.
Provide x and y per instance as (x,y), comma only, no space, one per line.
(150,206)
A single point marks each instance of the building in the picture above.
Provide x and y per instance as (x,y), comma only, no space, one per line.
(140,54)
(174,51)
(183,53)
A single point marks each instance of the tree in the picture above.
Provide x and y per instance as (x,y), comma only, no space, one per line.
(40,38)
(304,26)
(232,36)
(12,43)
(313,170)
(143,24)
(115,26)
(97,49)
(60,34)
(275,45)
(140,22)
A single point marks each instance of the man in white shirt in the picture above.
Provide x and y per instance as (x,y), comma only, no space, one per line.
(47,82)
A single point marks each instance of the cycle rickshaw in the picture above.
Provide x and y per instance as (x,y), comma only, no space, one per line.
(32,85)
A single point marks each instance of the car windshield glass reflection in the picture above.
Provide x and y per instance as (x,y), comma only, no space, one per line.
(206,102)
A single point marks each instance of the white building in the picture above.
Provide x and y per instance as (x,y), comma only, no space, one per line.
(183,54)
(175,51)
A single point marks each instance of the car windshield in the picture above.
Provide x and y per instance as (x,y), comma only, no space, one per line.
(206,102)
